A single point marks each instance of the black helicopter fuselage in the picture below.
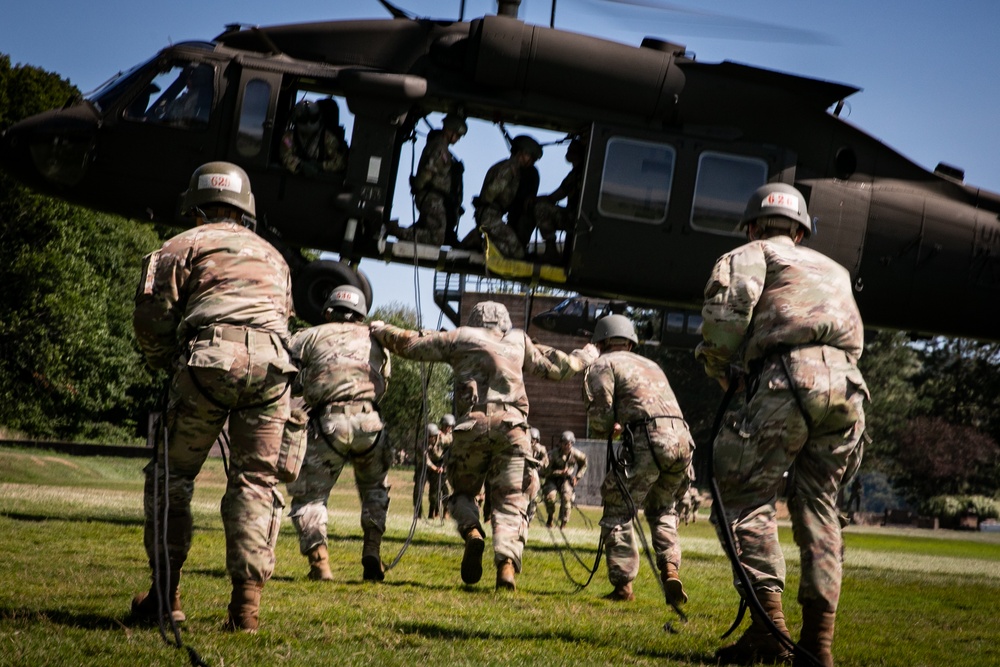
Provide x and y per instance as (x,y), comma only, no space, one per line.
(674,147)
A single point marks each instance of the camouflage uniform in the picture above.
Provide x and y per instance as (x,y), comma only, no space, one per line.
(437,482)
(300,154)
(491,438)
(625,388)
(564,471)
(437,189)
(495,199)
(213,306)
(344,374)
(550,218)
(786,314)
(539,466)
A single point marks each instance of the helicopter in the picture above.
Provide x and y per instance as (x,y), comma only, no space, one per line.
(674,147)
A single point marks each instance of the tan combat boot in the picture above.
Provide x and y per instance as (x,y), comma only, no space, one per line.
(244,607)
(319,564)
(505,576)
(371,557)
(817,635)
(622,593)
(472,560)
(672,586)
(757,645)
(146,606)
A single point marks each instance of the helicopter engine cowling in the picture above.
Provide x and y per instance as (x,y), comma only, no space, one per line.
(509,53)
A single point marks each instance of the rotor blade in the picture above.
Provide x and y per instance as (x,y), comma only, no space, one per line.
(725,26)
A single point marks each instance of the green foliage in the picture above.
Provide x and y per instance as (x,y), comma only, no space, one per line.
(951,508)
(69,367)
(403,407)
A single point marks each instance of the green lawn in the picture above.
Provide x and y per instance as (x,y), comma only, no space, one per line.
(71,558)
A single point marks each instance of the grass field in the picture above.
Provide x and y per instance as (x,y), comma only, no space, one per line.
(71,558)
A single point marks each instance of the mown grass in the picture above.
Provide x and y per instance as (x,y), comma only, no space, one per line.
(71,557)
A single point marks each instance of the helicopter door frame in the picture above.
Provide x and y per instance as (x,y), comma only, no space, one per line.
(257,100)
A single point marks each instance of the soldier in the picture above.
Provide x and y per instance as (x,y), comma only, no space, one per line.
(499,194)
(213,305)
(539,465)
(437,187)
(550,217)
(447,428)
(434,458)
(344,374)
(314,145)
(629,395)
(567,464)
(786,317)
(489,360)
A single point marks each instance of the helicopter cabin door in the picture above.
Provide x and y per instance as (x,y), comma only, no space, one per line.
(659,208)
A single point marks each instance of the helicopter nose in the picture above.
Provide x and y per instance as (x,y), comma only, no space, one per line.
(51,149)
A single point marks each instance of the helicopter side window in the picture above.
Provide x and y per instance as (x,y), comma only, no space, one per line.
(636,181)
(314,143)
(253,116)
(721,190)
(180,96)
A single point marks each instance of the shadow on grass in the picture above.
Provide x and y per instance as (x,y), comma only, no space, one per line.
(39,518)
(62,617)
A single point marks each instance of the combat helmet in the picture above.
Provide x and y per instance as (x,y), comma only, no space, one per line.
(345,297)
(568,436)
(306,116)
(614,326)
(535,434)
(525,144)
(448,420)
(456,124)
(221,183)
(777,199)
(490,315)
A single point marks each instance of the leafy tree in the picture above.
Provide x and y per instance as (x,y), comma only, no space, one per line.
(69,367)
(945,459)
(407,406)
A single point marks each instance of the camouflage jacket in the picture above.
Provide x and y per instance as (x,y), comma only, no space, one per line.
(572,465)
(624,387)
(218,273)
(500,185)
(330,155)
(434,170)
(488,366)
(770,294)
(341,363)
(540,455)
(436,452)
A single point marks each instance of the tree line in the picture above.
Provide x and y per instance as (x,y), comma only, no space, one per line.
(70,368)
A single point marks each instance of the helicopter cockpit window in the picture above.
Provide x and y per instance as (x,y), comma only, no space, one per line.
(253,116)
(636,181)
(179,96)
(721,190)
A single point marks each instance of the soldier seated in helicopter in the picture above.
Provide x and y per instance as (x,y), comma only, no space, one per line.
(549,217)
(314,143)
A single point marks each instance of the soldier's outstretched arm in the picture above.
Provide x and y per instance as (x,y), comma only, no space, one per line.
(422,345)
(552,364)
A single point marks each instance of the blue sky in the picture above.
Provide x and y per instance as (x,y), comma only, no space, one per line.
(929,70)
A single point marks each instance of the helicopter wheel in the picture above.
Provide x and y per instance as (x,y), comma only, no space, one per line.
(315,282)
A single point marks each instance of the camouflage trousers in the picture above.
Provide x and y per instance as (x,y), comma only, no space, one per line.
(432,223)
(369,454)
(657,479)
(550,219)
(252,504)
(807,420)
(561,489)
(535,497)
(502,237)
(493,447)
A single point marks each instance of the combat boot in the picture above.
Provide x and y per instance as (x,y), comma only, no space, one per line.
(817,635)
(672,586)
(371,557)
(146,607)
(505,576)
(622,593)
(548,522)
(472,560)
(244,607)
(319,564)
(757,644)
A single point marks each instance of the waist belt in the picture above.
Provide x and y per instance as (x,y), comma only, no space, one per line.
(236,333)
